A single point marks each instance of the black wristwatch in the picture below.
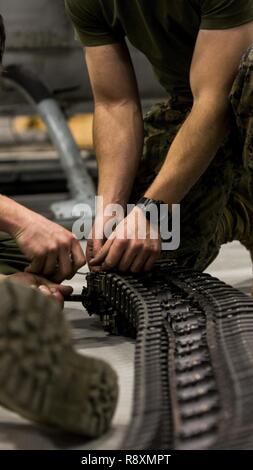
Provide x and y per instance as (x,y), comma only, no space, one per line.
(146,204)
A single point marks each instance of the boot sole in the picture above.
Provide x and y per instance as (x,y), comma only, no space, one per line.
(42,378)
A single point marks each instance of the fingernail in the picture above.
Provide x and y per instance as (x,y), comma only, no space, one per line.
(43,289)
(53,290)
(96,269)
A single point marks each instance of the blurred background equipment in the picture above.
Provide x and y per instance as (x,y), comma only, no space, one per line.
(45,84)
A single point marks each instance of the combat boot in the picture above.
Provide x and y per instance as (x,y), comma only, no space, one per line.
(42,377)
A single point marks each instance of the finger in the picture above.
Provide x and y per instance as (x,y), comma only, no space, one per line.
(52,293)
(56,294)
(150,262)
(50,266)
(93,248)
(127,259)
(140,261)
(96,269)
(63,289)
(78,257)
(97,245)
(36,265)
(115,254)
(102,254)
(89,251)
(65,267)
(66,270)
(45,291)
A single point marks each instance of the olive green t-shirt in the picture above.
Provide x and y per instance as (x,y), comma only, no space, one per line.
(164,30)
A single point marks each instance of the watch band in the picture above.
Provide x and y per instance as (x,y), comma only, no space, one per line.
(145,204)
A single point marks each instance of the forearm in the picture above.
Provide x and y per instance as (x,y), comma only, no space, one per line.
(118,137)
(192,151)
(12,215)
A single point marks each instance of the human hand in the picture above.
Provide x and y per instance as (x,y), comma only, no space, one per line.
(56,291)
(97,237)
(54,252)
(125,250)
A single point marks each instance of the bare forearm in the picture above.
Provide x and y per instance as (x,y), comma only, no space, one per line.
(191,152)
(12,215)
(118,136)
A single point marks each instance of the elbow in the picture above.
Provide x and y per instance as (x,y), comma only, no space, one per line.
(117,105)
(215,103)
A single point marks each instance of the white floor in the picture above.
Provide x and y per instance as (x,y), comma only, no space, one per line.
(233,266)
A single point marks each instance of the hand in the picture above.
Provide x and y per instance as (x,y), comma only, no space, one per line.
(47,288)
(96,238)
(54,252)
(125,250)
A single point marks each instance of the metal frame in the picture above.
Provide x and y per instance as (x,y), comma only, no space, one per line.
(80,183)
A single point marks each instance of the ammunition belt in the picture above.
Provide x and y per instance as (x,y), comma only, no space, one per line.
(194,356)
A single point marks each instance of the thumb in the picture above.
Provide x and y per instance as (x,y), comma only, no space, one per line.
(93,247)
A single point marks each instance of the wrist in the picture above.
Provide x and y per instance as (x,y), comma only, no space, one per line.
(156,211)
(13,215)
(147,205)
(108,200)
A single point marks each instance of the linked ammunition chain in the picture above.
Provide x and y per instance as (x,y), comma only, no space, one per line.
(194,356)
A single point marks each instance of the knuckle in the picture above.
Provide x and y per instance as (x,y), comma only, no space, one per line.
(65,244)
(109,264)
(155,249)
(122,242)
(72,238)
(67,238)
(148,249)
(39,253)
(136,246)
(52,248)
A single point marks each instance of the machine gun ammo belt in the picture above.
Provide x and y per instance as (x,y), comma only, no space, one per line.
(194,356)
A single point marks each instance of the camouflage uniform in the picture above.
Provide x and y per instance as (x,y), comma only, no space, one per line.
(11,259)
(219,208)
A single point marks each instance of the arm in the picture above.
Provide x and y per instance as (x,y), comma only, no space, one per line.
(118,125)
(214,65)
(52,250)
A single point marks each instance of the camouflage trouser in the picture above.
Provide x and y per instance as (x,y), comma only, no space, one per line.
(11,259)
(219,208)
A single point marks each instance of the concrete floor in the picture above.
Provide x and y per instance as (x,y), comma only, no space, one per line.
(233,266)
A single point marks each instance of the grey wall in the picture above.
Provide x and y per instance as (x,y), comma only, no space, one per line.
(40,36)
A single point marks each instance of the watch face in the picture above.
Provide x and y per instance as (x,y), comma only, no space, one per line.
(146,202)
(146,206)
